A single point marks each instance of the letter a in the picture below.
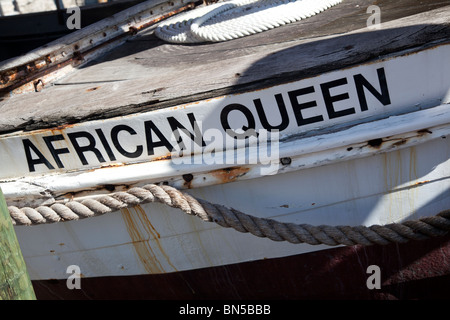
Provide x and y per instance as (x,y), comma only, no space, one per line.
(374,281)
(375,19)
(74,21)
(74,280)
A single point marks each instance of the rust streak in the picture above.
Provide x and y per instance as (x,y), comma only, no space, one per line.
(140,241)
(142,233)
(163,17)
(166,157)
(421,182)
(113,165)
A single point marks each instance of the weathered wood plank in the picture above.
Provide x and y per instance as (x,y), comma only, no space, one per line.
(15,282)
(146,73)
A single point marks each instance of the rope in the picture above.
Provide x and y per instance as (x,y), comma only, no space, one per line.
(237,18)
(423,228)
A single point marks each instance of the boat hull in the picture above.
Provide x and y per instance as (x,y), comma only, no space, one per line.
(361,142)
(154,239)
(415,270)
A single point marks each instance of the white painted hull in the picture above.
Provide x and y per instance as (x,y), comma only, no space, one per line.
(387,165)
(154,238)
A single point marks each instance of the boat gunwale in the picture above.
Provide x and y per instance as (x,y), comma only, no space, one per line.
(358,141)
(61,56)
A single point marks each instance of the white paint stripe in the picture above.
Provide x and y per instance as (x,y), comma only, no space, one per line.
(305,153)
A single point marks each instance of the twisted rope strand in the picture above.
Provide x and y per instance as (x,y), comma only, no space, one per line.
(423,228)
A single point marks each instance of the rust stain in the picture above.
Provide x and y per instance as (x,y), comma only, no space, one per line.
(13,74)
(229,174)
(393,176)
(21,79)
(92,89)
(24,81)
(142,233)
(412,164)
(113,165)
(162,17)
(375,143)
(413,193)
(423,132)
(166,157)
(38,85)
(421,182)
(400,142)
(188,180)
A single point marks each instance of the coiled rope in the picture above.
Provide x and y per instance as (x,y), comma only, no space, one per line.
(237,18)
(423,228)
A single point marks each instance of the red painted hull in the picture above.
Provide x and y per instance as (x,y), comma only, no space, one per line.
(415,270)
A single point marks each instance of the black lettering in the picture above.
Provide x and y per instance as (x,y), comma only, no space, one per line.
(56,152)
(298,107)
(105,144)
(151,145)
(361,83)
(82,149)
(329,99)
(251,125)
(283,113)
(115,139)
(28,146)
(175,125)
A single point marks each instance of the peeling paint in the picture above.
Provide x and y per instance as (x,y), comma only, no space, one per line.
(229,174)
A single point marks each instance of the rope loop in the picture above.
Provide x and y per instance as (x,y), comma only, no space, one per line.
(234,19)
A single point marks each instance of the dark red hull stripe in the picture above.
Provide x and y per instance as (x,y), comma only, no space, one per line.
(415,270)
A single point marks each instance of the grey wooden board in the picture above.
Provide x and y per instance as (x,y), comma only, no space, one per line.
(146,73)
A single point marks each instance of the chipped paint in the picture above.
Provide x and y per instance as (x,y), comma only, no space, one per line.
(229,174)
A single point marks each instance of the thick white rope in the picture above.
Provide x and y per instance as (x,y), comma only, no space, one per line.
(420,229)
(237,18)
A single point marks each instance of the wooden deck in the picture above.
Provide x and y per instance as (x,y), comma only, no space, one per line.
(146,73)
